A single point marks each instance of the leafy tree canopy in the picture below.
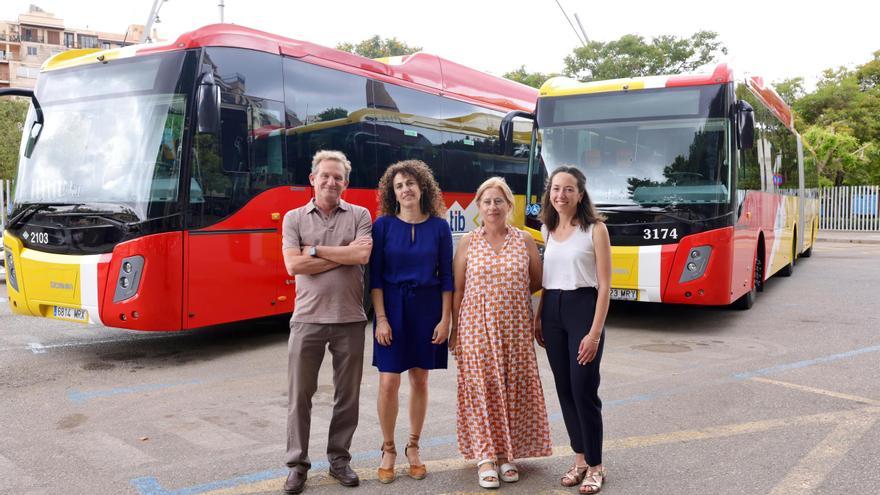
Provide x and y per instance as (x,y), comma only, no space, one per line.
(376,47)
(533,79)
(633,56)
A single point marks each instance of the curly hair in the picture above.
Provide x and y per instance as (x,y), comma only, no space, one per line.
(432,198)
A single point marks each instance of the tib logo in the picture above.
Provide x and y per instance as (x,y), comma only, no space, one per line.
(462,220)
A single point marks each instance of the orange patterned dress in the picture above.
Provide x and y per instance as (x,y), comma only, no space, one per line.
(501,411)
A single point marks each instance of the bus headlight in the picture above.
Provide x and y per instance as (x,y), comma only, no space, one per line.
(129,278)
(698,260)
(11,276)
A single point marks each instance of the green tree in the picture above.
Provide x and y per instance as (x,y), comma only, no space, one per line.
(376,47)
(332,113)
(533,79)
(12,115)
(633,56)
(842,125)
(842,158)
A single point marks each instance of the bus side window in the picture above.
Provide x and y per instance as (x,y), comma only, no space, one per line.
(406,126)
(246,158)
(327,109)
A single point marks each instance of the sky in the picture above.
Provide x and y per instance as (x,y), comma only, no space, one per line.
(776,39)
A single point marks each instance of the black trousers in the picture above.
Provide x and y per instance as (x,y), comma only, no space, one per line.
(566,317)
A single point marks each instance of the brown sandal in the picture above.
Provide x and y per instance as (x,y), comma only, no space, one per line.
(386,475)
(593,481)
(416,472)
(573,476)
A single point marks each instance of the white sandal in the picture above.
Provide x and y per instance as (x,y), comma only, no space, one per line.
(489,473)
(593,481)
(509,466)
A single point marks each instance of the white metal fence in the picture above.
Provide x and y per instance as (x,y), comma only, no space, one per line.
(849,208)
(6,188)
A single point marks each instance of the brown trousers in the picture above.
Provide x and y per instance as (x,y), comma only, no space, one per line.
(305,352)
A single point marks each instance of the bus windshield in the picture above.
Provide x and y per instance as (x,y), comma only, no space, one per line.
(663,147)
(112,134)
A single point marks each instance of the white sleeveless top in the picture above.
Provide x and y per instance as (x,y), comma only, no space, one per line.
(570,264)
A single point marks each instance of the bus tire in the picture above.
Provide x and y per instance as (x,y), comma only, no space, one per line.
(809,251)
(788,269)
(747,300)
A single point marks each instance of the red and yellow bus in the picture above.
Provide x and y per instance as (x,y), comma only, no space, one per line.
(703,179)
(153,179)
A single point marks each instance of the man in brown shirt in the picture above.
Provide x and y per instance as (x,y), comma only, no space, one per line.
(326,244)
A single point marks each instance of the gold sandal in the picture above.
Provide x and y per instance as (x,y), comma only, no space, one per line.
(386,475)
(416,472)
(593,481)
(573,476)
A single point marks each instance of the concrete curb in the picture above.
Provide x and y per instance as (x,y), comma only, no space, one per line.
(853,240)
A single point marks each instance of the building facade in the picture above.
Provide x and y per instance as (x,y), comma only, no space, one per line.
(38,35)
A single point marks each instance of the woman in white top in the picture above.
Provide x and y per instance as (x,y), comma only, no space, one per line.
(571,316)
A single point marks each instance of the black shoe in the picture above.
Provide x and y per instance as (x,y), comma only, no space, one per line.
(295,483)
(345,475)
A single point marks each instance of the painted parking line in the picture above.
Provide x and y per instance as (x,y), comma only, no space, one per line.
(151,486)
(851,425)
(813,390)
(812,469)
(806,363)
(79,397)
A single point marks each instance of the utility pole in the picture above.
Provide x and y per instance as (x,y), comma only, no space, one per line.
(154,13)
(578,19)
(221,5)
(576,33)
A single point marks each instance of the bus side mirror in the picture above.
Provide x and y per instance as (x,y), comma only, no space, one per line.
(745,125)
(37,126)
(505,131)
(208,105)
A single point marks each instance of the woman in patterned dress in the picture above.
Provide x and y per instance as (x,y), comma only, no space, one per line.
(501,411)
(411,288)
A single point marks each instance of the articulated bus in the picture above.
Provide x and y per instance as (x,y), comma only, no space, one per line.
(703,180)
(153,179)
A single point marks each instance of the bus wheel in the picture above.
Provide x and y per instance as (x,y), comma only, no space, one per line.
(788,269)
(809,251)
(747,300)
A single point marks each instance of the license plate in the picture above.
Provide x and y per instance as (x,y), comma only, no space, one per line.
(625,294)
(74,314)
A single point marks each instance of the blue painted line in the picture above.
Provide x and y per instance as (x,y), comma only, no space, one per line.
(78,397)
(150,486)
(803,364)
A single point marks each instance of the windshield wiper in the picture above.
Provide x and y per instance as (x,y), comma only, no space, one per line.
(656,210)
(27,212)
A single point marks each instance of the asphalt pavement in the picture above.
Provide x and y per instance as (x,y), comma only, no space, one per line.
(779,399)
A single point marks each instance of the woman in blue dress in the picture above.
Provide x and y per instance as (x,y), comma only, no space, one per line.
(411,287)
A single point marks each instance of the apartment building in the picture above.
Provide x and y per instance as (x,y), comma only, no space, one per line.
(37,35)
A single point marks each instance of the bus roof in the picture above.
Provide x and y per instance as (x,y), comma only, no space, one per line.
(420,70)
(564,86)
(723,73)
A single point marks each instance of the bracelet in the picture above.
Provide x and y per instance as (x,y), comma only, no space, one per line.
(596,341)
(381,317)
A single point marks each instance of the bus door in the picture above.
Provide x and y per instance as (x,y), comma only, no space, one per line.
(234,269)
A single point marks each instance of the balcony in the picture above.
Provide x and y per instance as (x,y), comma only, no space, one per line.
(10,37)
(34,39)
